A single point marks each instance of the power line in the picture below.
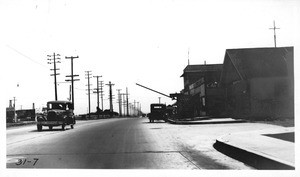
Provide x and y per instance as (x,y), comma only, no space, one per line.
(20,53)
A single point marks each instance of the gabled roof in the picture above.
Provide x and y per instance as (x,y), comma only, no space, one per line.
(243,64)
(201,68)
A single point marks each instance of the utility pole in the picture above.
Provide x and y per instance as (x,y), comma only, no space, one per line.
(120,102)
(97,91)
(88,74)
(134,108)
(140,109)
(72,78)
(110,97)
(101,94)
(274,28)
(137,108)
(129,108)
(53,61)
(127,101)
(159,100)
(124,103)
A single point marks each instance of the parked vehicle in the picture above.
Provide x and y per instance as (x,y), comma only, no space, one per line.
(158,112)
(58,113)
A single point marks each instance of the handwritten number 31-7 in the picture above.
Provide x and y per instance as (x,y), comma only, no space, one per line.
(24,161)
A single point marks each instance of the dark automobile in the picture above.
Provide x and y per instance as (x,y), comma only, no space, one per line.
(58,113)
(158,112)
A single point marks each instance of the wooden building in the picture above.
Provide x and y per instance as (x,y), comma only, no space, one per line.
(202,95)
(259,82)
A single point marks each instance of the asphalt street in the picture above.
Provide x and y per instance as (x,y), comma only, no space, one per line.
(123,143)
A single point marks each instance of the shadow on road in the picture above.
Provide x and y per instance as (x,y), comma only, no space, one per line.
(153,122)
(53,130)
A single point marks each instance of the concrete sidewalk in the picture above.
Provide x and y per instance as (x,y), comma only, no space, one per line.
(263,149)
(206,120)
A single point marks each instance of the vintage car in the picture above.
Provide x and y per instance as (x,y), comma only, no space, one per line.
(58,113)
(158,112)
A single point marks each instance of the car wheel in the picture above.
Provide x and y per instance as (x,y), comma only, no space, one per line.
(72,126)
(39,127)
(50,127)
(63,127)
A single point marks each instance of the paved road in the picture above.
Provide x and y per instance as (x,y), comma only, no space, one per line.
(126,143)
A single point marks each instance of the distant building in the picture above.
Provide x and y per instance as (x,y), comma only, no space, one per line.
(201,95)
(259,82)
(26,114)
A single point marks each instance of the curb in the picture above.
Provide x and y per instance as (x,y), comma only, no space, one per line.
(253,159)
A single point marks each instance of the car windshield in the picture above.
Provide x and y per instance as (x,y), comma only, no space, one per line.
(60,106)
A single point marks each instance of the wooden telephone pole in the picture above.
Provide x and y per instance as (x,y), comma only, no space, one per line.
(72,78)
(101,94)
(88,76)
(120,102)
(53,61)
(110,97)
(97,91)
(127,103)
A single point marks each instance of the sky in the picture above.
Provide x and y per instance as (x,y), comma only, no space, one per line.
(128,42)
